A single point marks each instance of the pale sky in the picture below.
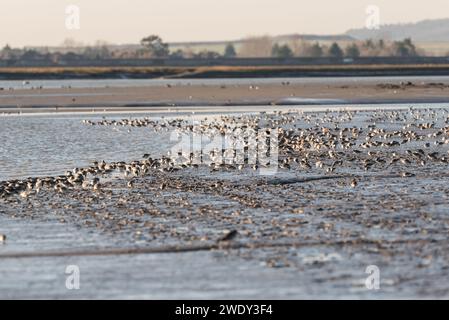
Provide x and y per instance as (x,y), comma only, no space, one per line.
(43,22)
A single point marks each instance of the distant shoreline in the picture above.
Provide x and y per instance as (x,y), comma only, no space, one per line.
(230,94)
(208,108)
(214,72)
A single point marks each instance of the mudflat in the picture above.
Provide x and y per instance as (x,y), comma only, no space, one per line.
(227,94)
(350,190)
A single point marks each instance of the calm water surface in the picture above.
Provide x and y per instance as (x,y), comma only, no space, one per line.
(51,144)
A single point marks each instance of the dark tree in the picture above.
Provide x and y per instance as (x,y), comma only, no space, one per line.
(315,51)
(230,51)
(335,51)
(404,48)
(283,51)
(352,51)
(156,46)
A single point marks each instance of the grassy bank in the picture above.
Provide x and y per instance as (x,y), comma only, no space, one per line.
(220,71)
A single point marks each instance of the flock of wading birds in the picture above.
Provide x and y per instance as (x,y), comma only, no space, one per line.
(308,143)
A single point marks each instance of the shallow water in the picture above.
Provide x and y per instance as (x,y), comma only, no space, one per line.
(50,144)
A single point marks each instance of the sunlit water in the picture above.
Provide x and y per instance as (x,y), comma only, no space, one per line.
(50,144)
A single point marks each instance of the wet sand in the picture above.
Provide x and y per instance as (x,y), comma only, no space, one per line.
(255,93)
(368,187)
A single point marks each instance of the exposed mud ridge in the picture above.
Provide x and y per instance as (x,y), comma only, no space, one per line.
(403,85)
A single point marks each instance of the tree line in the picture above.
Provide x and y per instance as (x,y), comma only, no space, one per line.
(368,48)
(154,47)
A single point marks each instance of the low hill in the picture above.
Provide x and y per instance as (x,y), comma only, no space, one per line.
(422,31)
